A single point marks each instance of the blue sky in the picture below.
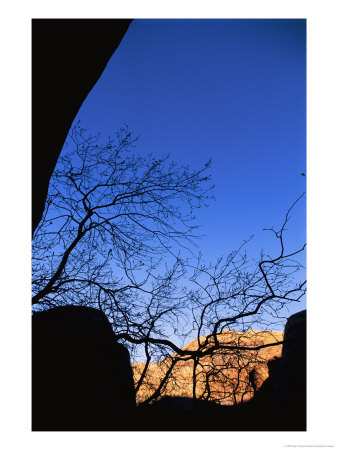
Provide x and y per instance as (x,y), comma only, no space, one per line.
(230,90)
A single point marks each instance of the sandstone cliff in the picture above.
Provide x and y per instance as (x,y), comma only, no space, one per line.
(227,376)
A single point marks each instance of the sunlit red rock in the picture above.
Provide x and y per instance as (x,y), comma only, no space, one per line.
(229,376)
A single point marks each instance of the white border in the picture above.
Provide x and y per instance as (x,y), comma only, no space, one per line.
(15,218)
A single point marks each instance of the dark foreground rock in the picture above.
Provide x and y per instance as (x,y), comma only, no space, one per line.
(81,377)
(82,381)
(284,393)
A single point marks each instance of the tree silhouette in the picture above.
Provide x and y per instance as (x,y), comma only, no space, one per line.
(117,233)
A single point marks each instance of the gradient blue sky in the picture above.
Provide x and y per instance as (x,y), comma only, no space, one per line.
(230,90)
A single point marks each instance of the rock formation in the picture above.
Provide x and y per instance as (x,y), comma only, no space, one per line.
(230,377)
(69,56)
(273,384)
(82,378)
(283,395)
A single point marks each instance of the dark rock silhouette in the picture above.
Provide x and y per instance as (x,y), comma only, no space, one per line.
(68,57)
(180,414)
(183,404)
(280,403)
(284,392)
(82,378)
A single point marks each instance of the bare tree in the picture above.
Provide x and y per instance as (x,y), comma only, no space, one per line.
(116,234)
